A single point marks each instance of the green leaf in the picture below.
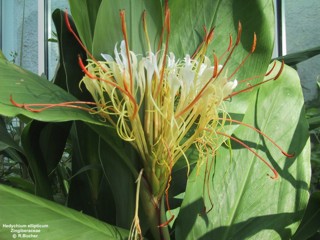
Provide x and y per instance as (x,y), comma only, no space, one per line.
(6,140)
(310,223)
(44,144)
(105,195)
(95,198)
(58,222)
(247,204)
(30,140)
(84,13)
(108,29)
(189,17)
(69,73)
(297,57)
(121,181)
(27,88)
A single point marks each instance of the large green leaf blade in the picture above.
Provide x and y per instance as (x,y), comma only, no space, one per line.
(28,88)
(85,13)
(96,198)
(44,144)
(18,207)
(69,73)
(310,224)
(106,37)
(189,17)
(247,204)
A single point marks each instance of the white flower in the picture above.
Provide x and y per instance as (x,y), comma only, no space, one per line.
(161,107)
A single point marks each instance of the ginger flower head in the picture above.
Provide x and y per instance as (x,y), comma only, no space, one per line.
(160,104)
(163,105)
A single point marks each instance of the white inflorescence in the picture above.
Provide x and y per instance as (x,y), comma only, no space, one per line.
(162,106)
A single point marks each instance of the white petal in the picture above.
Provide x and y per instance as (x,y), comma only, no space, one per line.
(107,57)
(124,54)
(229,86)
(117,56)
(171,60)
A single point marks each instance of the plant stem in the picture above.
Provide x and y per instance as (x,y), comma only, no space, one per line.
(155,212)
(163,230)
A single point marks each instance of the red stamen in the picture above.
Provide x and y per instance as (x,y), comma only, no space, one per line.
(84,69)
(232,49)
(124,91)
(230,42)
(273,66)
(259,76)
(280,71)
(253,47)
(260,132)
(166,8)
(258,84)
(15,103)
(221,70)
(202,43)
(131,98)
(39,107)
(80,42)
(66,17)
(215,62)
(194,101)
(276,175)
(125,36)
(228,49)
(239,33)
(246,89)
(250,79)
(254,44)
(167,27)
(210,36)
(207,179)
(167,222)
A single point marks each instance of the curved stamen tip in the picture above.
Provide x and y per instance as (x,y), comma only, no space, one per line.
(275,176)
(288,155)
(210,35)
(254,44)
(15,103)
(24,106)
(205,211)
(66,18)
(166,223)
(239,33)
(280,70)
(84,69)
